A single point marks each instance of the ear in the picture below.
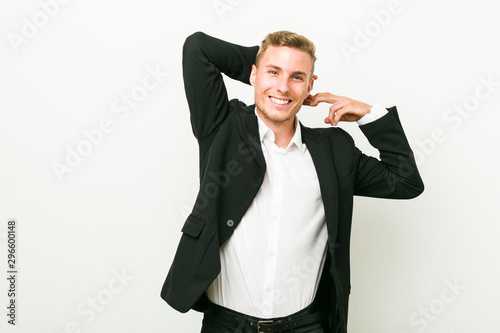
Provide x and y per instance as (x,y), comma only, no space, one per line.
(252,75)
(311,84)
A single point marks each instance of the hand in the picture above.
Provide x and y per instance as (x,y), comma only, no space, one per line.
(342,109)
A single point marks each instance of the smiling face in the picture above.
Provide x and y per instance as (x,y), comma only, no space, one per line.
(282,79)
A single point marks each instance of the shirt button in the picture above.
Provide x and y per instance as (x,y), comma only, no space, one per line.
(230,223)
(268,289)
(275,218)
(271,253)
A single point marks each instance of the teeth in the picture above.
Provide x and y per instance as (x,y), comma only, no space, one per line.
(280,101)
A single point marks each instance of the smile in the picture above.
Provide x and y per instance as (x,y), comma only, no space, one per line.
(280,101)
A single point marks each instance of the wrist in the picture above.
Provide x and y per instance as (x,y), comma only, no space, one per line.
(376,111)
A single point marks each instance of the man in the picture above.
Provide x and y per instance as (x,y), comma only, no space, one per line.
(266,247)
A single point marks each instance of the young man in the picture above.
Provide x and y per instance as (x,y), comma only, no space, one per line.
(266,247)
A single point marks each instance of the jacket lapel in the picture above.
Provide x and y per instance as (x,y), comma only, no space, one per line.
(249,131)
(321,153)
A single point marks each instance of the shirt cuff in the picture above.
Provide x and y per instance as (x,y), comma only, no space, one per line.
(377,112)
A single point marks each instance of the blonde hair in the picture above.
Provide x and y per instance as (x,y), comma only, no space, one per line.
(289,39)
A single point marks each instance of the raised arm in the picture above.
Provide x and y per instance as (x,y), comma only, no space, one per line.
(204,59)
(395,175)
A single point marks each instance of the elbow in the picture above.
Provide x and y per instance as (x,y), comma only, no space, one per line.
(194,46)
(407,188)
(417,190)
(194,39)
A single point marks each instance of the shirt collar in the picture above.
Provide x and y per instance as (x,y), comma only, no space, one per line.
(264,131)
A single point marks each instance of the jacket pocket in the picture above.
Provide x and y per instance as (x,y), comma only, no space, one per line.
(193,226)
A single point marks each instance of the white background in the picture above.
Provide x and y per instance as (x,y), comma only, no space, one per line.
(120,210)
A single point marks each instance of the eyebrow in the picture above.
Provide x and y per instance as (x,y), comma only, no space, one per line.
(279,68)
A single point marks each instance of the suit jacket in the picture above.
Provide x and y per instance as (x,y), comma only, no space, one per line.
(232,169)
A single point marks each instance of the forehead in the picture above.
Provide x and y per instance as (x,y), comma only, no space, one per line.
(287,58)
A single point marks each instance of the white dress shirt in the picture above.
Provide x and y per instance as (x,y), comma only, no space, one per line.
(272,264)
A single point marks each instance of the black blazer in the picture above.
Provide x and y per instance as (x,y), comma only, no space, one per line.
(232,169)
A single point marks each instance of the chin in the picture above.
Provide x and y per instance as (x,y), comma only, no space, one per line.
(277,116)
(274,114)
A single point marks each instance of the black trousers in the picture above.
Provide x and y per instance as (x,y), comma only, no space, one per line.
(218,319)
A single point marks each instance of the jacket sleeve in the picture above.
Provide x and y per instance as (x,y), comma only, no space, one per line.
(395,175)
(205,58)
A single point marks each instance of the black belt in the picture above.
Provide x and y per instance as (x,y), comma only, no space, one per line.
(280,325)
(266,325)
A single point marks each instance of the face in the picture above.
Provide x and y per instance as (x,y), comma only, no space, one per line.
(282,79)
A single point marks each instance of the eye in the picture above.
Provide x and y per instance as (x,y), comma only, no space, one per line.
(297,77)
(273,72)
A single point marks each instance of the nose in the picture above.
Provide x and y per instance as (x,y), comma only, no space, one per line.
(283,86)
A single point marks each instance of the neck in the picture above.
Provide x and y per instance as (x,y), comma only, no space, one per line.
(283,131)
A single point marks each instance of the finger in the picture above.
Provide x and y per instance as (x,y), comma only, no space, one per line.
(309,101)
(338,115)
(326,97)
(337,106)
(333,111)
(345,114)
(314,100)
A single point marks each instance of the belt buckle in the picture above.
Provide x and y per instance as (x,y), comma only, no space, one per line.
(262,322)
